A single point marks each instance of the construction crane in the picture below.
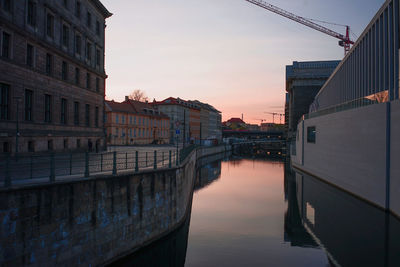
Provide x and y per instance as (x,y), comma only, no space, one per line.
(345,40)
(276,114)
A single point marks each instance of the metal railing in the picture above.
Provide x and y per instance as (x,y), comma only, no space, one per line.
(52,167)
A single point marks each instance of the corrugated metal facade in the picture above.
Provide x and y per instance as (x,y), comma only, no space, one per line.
(370,71)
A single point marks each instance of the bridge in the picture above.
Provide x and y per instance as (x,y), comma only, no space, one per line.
(253,134)
(261,148)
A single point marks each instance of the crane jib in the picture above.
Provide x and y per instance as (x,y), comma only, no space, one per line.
(345,39)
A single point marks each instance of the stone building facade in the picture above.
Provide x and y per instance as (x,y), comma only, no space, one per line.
(303,82)
(52,76)
(133,122)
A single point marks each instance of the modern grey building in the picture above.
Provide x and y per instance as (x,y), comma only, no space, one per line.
(52,77)
(303,82)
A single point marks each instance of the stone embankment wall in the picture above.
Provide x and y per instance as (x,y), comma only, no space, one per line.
(94,221)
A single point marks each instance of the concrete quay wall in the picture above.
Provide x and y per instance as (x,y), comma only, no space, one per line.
(355,150)
(92,222)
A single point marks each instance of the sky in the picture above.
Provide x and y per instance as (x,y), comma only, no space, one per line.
(228,53)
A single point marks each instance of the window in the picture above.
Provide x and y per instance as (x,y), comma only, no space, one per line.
(134,132)
(50,25)
(63,118)
(88,85)
(116,118)
(31,15)
(97,57)
(50,145)
(130,119)
(76,113)
(49,64)
(78,44)
(78,143)
(88,51)
(7,6)
(311,134)
(97,84)
(87,115)
(64,71)
(89,19)
(28,105)
(6,147)
(97,27)
(123,119)
(47,108)
(5,50)
(29,55)
(78,9)
(31,146)
(77,76)
(65,143)
(4,101)
(96,117)
(65,35)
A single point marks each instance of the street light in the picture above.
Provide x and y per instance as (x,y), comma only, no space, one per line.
(17,99)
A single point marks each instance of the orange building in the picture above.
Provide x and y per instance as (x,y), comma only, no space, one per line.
(133,122)
(194,121)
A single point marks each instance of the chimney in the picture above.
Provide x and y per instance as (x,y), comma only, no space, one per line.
(126,98)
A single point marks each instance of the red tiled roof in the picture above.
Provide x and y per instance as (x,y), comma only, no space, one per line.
(236,120)
(120,107)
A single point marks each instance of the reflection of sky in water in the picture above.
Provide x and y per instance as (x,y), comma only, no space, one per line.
(239,220)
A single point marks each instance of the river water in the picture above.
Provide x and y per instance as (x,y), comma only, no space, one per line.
(248,212)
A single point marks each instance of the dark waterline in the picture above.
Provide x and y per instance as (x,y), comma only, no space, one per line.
(260,213)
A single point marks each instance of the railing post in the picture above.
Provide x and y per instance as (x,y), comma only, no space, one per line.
(126,160)
(137,162)
(87,164)
(52,168)
(101,162)
(7,181)
(155,159)
(177,159)
(114,171)
(70,163)
(170,159)
(146,159)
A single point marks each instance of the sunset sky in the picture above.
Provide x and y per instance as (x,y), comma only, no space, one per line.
(228,53)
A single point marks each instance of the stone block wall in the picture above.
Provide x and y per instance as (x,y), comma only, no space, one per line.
(92,222)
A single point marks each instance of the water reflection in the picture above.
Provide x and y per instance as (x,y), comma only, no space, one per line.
(248,212)
(352,232)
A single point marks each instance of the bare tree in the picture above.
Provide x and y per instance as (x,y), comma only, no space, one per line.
(138,95)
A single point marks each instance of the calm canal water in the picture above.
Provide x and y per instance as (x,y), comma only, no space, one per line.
(260,213)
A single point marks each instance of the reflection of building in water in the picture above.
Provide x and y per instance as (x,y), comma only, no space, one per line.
(353,232)
(208,174)
(295,233)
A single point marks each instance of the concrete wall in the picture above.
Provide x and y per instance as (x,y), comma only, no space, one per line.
(350,151)
(395,158)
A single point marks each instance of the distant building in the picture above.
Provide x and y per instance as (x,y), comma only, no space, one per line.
(52,77)
(235,124)
(303,82)
(211,125)
(178,112)
(253,127)
(191,121)
(133,122)
(194,122)
(272,127)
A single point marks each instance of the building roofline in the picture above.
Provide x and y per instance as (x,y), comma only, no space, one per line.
(101,8)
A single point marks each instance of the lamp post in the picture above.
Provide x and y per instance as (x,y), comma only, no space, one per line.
(17,99)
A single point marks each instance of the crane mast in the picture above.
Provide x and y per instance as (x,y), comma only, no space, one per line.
(344,39)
